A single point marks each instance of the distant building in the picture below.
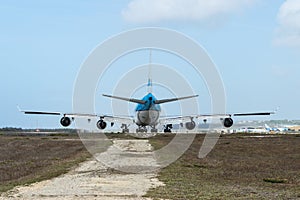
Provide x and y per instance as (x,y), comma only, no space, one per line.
(294,128)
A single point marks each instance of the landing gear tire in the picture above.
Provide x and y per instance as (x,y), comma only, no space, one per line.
(154,130)
(125,130)
(166,130)
(141,130)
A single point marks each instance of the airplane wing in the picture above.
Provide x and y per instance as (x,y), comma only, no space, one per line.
(234,114)
(251,114)
(40,112)
(58,113)
(118,119)
(109,118)
(188,118)
(174,119)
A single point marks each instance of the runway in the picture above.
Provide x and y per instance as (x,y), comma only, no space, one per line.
(94,180)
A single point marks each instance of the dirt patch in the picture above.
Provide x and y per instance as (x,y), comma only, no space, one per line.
(239,167)
(27,159)
(93,179)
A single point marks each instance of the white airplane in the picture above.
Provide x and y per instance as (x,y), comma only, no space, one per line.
(276,129)
(252,130)
(147,114)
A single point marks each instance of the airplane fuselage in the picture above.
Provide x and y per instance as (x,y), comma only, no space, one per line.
(147,117)
(148,113)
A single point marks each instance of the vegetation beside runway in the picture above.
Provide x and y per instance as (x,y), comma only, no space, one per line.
(241,166)
(28,159)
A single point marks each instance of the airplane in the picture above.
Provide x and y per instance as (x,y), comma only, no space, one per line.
(276,129)
(252,130)
(147,114)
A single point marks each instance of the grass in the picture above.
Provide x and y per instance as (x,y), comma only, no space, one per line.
(239,167)
(25,160)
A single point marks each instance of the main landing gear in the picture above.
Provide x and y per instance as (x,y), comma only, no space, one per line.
(168,128)
(143,129)
(153,129)
(124,128)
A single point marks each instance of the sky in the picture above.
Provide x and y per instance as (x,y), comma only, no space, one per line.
(255,45)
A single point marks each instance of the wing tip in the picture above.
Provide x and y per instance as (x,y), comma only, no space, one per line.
(19,109)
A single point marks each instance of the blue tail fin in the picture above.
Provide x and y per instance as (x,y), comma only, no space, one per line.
(149,85)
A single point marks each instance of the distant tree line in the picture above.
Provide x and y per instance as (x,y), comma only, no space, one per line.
(14,129)
(11,129)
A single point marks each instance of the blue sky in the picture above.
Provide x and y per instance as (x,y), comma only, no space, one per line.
(254,43)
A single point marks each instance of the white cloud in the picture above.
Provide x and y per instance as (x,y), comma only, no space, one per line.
(288,32)
(152,11)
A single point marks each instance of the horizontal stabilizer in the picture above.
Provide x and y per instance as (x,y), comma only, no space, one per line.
(126,99)
(173,99)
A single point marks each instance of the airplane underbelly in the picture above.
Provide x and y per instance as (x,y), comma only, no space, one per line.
(147,117)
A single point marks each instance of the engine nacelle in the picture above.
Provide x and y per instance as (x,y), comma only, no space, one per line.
(101,124)
(190,125)
(227,122)
(65,121)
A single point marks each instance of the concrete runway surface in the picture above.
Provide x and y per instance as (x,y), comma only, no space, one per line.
(94,180)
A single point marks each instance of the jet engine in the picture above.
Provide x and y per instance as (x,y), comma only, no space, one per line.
(101,124)
(227,122)
(190,125)
(65,121)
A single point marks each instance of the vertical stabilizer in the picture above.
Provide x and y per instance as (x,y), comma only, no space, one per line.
(149,85)
(268,128)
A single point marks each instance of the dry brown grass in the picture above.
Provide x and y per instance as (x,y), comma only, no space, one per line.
(27,159)
(239,167)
